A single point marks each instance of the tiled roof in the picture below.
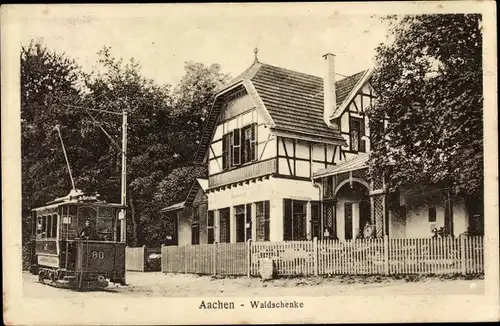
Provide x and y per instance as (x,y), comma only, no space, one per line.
(295,100)
(357,163)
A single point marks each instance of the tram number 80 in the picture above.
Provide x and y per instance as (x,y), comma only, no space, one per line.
(97,255)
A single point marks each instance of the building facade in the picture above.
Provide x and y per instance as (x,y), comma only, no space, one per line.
(287,157)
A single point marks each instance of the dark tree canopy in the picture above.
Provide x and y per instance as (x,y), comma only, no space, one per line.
(429,86)
(164,125)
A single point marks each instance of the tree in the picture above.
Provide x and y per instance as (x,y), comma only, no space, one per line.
(49,82)
(150,152)
(173,189)
(164,127)
(429,86)
(192,100)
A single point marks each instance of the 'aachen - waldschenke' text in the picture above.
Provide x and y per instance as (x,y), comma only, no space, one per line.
(220,305)
(276,304)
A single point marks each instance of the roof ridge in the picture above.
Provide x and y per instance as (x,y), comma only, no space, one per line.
(310,75)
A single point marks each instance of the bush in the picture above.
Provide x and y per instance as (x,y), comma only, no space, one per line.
(26,257)
(153,262)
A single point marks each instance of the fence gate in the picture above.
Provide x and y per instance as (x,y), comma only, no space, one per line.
(135,258)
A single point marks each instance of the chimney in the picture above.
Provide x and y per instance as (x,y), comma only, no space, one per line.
(330,98)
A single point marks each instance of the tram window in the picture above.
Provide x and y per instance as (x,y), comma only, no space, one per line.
(39,227)
(44,227)
(49,226)
(72,210)
(54,226)
(105,223)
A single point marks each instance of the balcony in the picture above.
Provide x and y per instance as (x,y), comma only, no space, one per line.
(254,170)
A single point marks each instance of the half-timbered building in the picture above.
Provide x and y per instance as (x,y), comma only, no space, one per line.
(355,205)
(267,135)
(287,157)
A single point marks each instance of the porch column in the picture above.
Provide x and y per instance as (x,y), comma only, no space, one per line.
(308,221)
(378,213)
(329,219)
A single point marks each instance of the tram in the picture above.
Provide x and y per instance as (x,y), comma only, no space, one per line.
(64,252)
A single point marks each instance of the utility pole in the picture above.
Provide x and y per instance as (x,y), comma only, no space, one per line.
(123,224)
(123,150)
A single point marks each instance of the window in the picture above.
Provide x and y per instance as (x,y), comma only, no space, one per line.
(44,227)
(262,219)
(328,187)
(53,233)
(236,147)
(195,217)
(329,220)
(210,227)
(49,227)
(39,227)
(356,132)
(239,214)
(195,225)
(432,214)
(226,150)
(249,141)
(294,219)
(248,224)
(239,146)
(195,234)
(315,220)
(224,225)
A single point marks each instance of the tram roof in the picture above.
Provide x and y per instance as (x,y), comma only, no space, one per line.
(77,197)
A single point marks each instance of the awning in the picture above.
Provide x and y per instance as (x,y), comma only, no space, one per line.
(173,207)
(360,162)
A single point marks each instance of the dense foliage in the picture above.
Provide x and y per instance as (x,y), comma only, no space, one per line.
(429,83)
(164,125)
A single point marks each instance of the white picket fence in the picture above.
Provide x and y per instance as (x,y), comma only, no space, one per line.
(463,255)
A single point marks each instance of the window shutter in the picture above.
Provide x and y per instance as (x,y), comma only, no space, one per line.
(225,153)
(253,143)
(247,137)
(287,220)
(210,227)
(236,147)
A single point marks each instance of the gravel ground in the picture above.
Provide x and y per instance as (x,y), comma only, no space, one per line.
(187,285)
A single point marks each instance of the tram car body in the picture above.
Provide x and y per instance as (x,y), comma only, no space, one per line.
(62,257)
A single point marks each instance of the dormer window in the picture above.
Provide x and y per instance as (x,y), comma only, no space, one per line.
(355,134)
(239,146)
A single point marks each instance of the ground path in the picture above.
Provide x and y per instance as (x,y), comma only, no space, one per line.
(185,285)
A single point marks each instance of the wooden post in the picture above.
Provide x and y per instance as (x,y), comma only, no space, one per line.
(249,256)
(123,225)
(214,258)
(161,258)
(126,257)
(315,255)
(463,258)
(143,268)
(185,259)
(386,255)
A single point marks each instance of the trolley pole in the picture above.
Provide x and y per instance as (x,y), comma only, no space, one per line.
(123,224)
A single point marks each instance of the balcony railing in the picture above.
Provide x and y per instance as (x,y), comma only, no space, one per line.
(245,172)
